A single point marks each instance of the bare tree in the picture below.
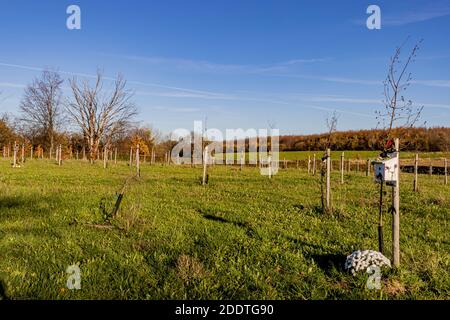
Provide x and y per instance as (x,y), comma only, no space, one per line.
(398,111)
(331,123)
(100,114)
(41,106)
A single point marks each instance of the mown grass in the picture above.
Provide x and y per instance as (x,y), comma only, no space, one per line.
(243,236)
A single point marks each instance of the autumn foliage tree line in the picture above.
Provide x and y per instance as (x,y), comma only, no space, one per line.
(97,115)
(422,139)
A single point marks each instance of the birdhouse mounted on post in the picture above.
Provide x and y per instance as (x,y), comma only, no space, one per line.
(387,170)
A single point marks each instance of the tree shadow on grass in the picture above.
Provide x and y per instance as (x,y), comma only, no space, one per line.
(329,262)
(26,204)
(10,202)
(249,230)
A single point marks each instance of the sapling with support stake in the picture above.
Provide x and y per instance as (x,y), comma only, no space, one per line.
(396,109)
(325,172)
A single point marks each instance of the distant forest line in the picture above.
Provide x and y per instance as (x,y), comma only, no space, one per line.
(411,139)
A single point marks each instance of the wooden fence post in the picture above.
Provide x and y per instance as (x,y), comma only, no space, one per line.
(328,178)
(269,163)
(309,164)
(131,157)
(368,168)
(314,164)
(205,166)
(396,213)
(31,153)
(138,162)
(15,155)
(416,173)
(105,157)
(115,155)
(60,155)
(342,167)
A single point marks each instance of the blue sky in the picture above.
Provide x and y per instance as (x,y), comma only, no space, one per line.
(241,64)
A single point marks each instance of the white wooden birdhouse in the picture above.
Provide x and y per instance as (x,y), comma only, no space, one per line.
(387,170)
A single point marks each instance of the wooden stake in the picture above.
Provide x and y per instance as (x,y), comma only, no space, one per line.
(15,155)
(105,157)
(396,214)
(309,164)
(60,155)
(115,156)
(269,160)
(416,173)
(368,168)
(342,167)
(328,182)
(138,162)
(205,166)
(131,157)
(314,164)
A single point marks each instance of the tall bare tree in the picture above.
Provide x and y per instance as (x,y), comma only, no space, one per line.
(398,110)
(100,114)
(41,105)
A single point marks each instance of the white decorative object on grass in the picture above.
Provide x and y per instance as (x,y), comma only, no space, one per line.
(362,260)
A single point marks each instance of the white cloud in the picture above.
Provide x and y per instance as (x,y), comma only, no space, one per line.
(207,66)
(433,83)
(11,85)
(176,109)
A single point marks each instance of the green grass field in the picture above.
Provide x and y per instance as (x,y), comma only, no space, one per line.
(352,155)
(243,236)
(363,155)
